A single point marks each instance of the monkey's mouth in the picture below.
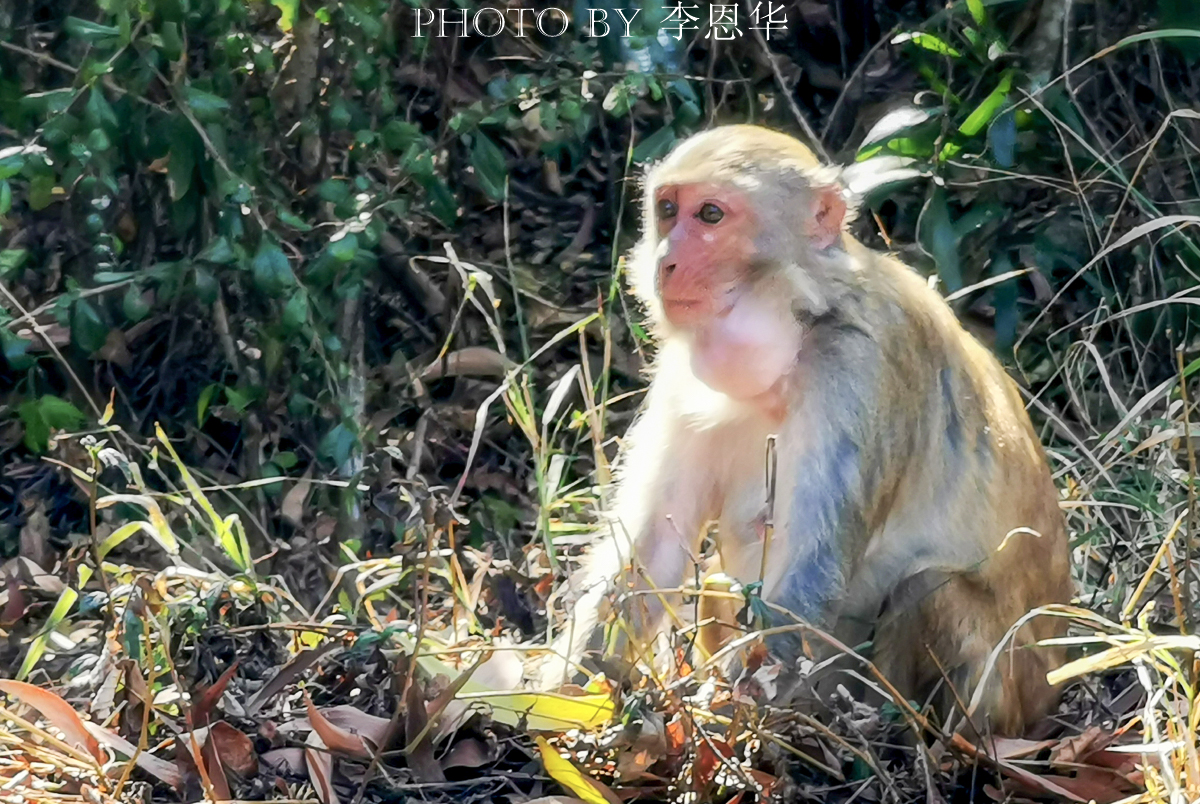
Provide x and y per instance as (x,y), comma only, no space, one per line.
(685,312)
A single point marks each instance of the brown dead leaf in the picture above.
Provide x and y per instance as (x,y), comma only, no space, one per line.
(320,767)
(207,700)
(58,712)
(1015,748)
(284,761)
(157,767)
(15,603)
(235,749)
(1096,784)
(708,760)
(336,738)
(299,663)
(292,507)
(31,574)
(116,350)
(472,361)
(1078,748)
(371,728)
(35,538)
(416,721)
(470,753)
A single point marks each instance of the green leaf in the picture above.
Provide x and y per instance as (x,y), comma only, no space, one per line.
(206,284)
(1004,300)
(978,12)
(654,146)
(986,110)
(41,192)
(12,160)
(136,308)
(1003,138)
(398,135)
(345,248)
(295,312)
(286,460)
(42,416)
(11,260)
(218,251)
(89,31)
(51,102)
(15,350)
(97,112)
(337,444)
(490,166)
(60,414)
(206,106)
(182,163)
(88,330)
(938,235)
(206,397)
(926,41)
(294,221)
(272,273)
(335,191)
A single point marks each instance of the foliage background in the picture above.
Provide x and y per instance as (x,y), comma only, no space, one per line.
(312,246)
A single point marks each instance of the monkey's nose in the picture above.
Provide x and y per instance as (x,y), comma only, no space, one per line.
(667,270)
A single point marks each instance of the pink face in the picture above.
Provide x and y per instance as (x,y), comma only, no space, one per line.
(709,234)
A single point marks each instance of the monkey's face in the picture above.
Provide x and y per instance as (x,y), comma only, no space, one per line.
(705,250)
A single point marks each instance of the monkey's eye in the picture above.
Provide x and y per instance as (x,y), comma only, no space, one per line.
(710,213)
(666,209)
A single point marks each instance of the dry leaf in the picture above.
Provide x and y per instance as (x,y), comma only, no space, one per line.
(284,761)
(420,756)
(572,778)
(469,753)
(235,749)
(157,767)
(473,361)
(292,507)
(336,738)
(320,767)
(58,712)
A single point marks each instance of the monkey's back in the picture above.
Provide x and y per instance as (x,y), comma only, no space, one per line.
(981,500)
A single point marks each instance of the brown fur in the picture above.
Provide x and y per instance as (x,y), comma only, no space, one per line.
(905,455)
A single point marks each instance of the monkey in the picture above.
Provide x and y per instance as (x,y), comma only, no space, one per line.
(914,506)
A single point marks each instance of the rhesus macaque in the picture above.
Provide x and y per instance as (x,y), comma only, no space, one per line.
(905,456)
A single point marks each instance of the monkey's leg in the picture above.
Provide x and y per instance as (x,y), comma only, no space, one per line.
(948,637)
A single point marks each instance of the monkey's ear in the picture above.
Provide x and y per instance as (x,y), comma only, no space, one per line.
(828,214)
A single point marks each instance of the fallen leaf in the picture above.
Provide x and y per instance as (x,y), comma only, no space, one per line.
(292,507)
(334,737)
(472,361)
(571,777)
(234,748)
(420,748)
(35,538)
(469,753)
(1079,747)
(157,767)
(371,728)
(708,760)
(284,761)
(1014,747)
(320,767)
(299,663)
(58,712)
(207,700)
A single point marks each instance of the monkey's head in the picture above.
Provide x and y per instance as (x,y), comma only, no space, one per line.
(728,210)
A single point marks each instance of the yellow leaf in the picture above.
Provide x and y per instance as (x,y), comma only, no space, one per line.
(567,774)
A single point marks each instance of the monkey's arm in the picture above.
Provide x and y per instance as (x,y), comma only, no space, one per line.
(839,461)
(663,497)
